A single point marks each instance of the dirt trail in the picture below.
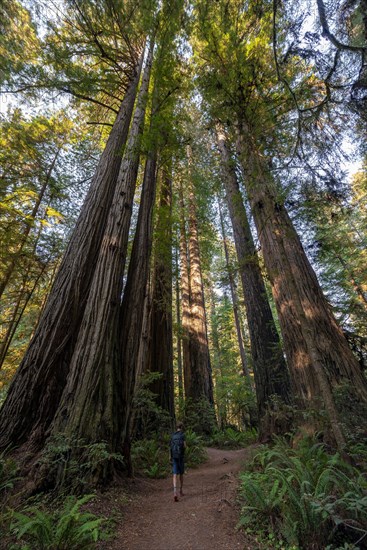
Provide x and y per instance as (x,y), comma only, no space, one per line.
(204,519)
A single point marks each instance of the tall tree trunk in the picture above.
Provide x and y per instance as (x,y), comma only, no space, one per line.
(185,295)
(133,301)
(90,406)
(201,383)
(235,301)
(161,351)
(37,387)
(221,400)
(317,351)
(144,355)
(179,329)
(270,370)
(15,257)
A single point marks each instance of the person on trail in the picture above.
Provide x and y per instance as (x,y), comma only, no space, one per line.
(177,454)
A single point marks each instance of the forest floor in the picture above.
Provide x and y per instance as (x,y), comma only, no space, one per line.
(205,518)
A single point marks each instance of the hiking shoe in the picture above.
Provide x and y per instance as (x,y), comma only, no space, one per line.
(175,498)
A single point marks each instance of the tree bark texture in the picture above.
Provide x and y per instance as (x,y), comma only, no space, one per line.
(235,300)
(179,328)
(161,350)
(143,362)
(185,295)
(201,383)
(270,370)
(90,406)
(318,354)
(132,307)
(221,400)
(37,387)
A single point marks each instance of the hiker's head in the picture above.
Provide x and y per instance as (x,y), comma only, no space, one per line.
(179,426)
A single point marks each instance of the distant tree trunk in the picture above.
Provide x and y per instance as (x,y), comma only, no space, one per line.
(144,355)
(25,234)
(270,370)
(91,403)
(221,399)
(179,329)
(185,296)
(235,301)
(161,350)
(201,383)
(317,351)
(36,389)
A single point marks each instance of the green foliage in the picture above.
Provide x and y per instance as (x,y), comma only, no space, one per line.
(151,457)
(149,417)
(199,416)
(230,438)
(19,44)
(306,496)
(353,414)
(8,473)
(67,529)
(195,452)
(73,466)
(44,164)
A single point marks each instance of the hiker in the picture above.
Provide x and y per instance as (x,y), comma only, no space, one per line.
(177,454)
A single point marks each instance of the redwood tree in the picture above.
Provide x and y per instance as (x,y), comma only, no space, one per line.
(161,343)
(89,408)
(201,384)
(270,370)
(36,389)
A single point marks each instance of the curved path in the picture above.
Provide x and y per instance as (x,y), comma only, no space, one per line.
(204,519)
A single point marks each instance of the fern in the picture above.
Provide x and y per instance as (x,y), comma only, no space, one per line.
(306,495)
(8,472)
(68,529)
(233,439)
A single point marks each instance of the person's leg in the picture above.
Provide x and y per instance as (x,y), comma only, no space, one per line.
(181,485)
(182,471)
(175,473)
(175,486)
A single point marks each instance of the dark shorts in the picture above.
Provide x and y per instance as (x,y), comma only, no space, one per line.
(178,466)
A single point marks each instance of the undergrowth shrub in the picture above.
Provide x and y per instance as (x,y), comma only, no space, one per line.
(149,419)
(305,496)
(195,452)
(230,438)
(151,457)
(8,473)
(353,414)
(199,416)
(67,529)
(74,466)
